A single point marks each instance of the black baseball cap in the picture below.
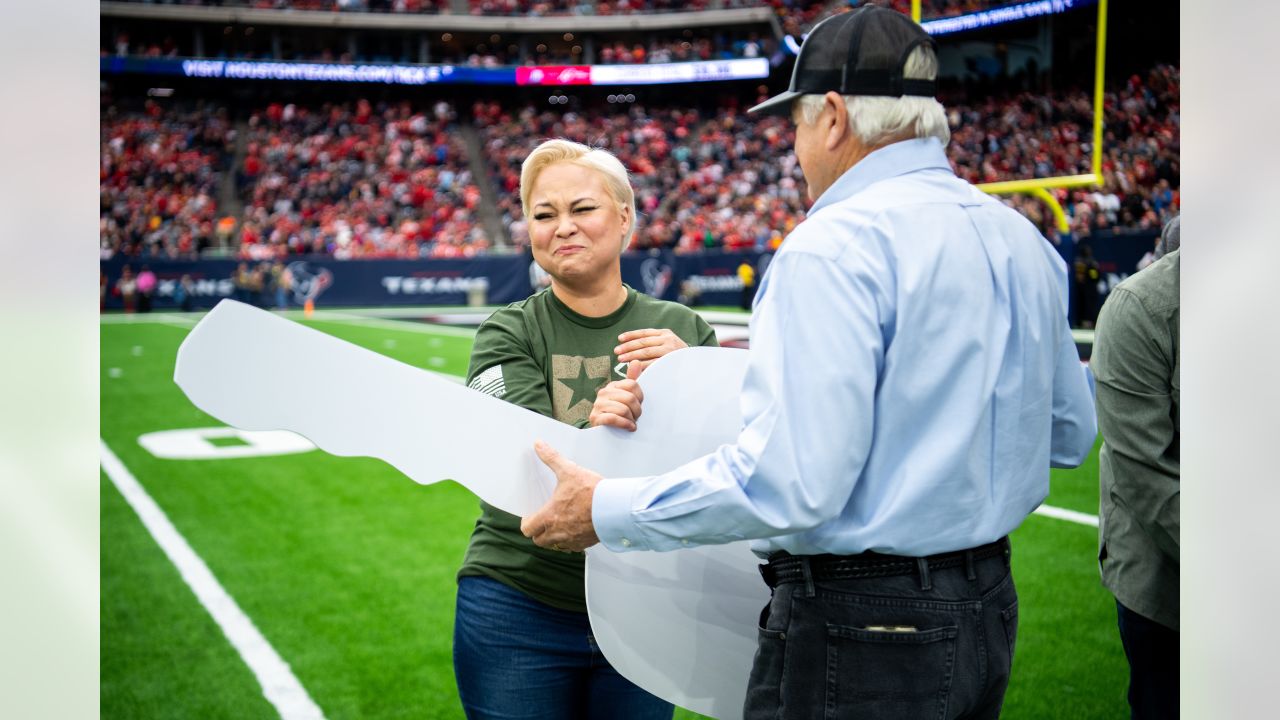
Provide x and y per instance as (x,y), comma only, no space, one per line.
(861,52)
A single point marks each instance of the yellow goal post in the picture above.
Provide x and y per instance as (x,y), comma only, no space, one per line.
(1040,187)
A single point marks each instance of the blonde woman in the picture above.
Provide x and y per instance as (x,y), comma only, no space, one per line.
(522,644)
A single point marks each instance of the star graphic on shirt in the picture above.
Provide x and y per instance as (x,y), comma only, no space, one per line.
(582,387)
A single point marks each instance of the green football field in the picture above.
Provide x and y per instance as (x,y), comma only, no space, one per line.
(346,567)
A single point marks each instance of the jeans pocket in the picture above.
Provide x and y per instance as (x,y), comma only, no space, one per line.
(1010,617)
(889,673)
(764,689)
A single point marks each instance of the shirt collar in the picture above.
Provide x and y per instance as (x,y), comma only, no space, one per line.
(893,159)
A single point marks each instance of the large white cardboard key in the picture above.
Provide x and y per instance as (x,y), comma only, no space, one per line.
(680,625)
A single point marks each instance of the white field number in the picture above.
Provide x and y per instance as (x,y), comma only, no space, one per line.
(198,443)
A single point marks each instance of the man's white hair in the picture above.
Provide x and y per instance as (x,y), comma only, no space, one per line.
(877,120)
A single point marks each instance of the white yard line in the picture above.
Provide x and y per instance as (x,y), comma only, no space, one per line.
(182,320)
(1068,515)
(354,317)
(278,683)
(401,325)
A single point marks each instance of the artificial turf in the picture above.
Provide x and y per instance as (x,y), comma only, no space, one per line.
(347,567)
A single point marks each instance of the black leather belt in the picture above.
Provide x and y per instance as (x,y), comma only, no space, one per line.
(790,568)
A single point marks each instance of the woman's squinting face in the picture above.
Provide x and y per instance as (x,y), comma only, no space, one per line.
(575,227)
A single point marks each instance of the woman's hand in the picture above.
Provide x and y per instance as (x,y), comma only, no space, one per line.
(618,403)
(646,346)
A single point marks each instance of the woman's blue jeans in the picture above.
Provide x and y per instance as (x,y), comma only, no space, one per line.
(516,658)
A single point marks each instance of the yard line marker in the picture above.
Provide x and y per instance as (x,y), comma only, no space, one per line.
(1068,515)
(278,683)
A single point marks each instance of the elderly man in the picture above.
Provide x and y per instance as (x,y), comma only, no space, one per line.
(912,378)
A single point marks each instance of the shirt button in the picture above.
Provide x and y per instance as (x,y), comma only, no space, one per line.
(626,542)
(684,541)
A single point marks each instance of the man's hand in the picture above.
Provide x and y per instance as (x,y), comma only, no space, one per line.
(618,403)
(564,523)
(647,345)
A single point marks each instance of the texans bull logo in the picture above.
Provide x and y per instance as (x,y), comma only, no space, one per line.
(656,277)
(308,280)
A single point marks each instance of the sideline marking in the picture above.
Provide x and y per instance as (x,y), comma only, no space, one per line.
(1068,515)
(278,683)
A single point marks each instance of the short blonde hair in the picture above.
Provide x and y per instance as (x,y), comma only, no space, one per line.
(602,161)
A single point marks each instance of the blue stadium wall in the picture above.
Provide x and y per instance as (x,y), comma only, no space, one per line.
(505,279)
(500,279)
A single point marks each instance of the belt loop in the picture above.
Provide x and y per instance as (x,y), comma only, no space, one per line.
(922,564)
(969,571)
(809,590)
(1008,552)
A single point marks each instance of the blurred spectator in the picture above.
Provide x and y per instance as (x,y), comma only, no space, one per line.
(146,286)
(127,289)
(242,280)
(690,293)
(747,275)
(1085,287)
(282,281)
(184,293)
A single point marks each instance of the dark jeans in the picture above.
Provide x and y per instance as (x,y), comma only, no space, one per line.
(1152,650)
(515,657)
(931,644)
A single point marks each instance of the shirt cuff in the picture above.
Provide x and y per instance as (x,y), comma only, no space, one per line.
(611,514)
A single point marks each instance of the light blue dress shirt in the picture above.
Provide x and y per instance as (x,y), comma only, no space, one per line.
(912,378)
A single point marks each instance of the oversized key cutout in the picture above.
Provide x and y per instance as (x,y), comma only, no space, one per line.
(681,625)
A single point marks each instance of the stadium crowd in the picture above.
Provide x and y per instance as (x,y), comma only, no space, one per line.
(158,179)
(699,184)
(362,180)
(1048,135)
(785,8)
(357,180)
(798,13)
(685,47)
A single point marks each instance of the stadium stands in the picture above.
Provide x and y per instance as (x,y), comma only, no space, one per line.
(805,8)
(390,177)
(358,180)
(158,179)
(622,42)
(354,180)
(1047,135)
(717,183)
(472,50)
